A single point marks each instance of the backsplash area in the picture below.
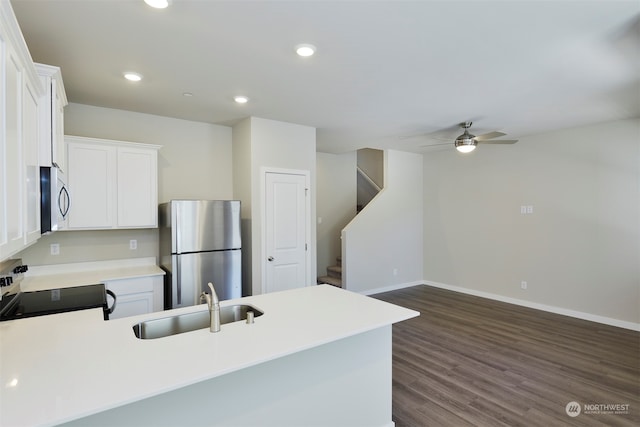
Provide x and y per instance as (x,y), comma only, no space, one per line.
(84,246)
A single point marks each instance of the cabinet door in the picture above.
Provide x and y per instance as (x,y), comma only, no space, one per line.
(3,153)
(20,93)
(91,186)
(13,239)
(51,106)
(31,175)
(137,187)
(136,296)
(58,147)
(133,305)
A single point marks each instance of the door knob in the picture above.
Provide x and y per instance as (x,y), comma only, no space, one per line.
(270,258)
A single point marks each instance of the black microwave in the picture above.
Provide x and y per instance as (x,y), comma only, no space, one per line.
(54,200)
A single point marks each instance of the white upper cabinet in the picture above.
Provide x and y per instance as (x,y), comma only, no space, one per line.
(52,103)
(91,181)
(12,182)
(3,153)
(137,187)
(20,93)
(31,171)
(112,184)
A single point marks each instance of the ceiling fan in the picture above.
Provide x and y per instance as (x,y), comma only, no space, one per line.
(467,142)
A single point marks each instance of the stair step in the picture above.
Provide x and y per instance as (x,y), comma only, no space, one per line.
(339,260)
(330,281)
(335,271)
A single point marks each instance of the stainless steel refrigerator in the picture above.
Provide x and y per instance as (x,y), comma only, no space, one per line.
(200,243)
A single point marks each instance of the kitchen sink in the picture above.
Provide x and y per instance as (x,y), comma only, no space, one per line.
(166,326)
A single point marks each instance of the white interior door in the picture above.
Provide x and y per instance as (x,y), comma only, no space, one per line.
(286,226)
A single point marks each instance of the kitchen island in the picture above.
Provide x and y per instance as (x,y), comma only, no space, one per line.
(318,355)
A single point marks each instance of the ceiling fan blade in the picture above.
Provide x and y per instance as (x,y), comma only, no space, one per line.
(444,134)
(412,136)
(499,141)
(436,145)
(425,136)
(489,135)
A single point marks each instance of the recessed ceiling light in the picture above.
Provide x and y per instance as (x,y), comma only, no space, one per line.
(187,94)
(158,4)
(132,76)
(241,99)
(305,49)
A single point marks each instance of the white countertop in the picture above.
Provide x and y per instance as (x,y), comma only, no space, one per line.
(65,366)
(87,273)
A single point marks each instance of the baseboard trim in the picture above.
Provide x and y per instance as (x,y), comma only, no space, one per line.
(549,308)
(390,288)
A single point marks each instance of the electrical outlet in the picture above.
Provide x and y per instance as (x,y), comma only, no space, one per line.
(55,248)
(526,209)
(133,244)
(523,285)
(395,271)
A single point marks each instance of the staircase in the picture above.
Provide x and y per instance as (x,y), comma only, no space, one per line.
(334,274)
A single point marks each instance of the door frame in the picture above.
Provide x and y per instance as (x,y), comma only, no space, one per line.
(263,221)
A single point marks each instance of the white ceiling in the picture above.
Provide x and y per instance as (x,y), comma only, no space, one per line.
(384,70)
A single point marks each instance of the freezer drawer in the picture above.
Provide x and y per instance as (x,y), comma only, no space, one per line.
(191,273)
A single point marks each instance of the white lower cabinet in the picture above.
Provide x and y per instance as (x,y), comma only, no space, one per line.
(140,295)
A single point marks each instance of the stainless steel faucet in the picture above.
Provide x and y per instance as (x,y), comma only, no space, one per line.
(214,308)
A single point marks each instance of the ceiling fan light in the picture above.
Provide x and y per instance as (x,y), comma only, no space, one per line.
(465,144)
(465,148)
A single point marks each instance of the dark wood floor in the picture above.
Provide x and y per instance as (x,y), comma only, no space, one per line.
(470,361)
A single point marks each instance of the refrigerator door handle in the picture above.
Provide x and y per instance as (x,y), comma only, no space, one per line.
(175,229)
(179,284)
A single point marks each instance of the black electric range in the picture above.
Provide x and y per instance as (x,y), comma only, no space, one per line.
(15,304)
(51,301)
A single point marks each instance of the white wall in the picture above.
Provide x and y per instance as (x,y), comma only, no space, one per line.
(194,162)
(382,246)
(580,248)
(242,178)
(195,159)
(276,145)
(336,204)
